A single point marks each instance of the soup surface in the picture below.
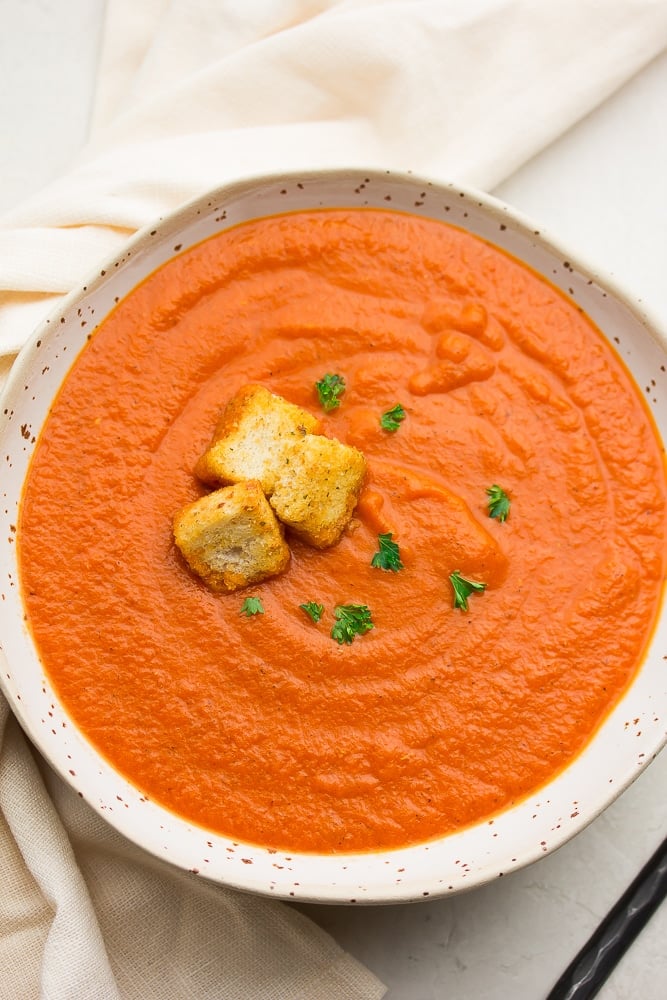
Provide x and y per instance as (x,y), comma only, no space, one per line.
(263,727)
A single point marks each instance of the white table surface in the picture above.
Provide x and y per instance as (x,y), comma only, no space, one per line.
(601,191)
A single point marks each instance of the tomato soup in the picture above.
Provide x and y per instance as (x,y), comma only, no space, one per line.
(263,727)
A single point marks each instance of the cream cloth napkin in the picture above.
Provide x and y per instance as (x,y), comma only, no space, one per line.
(193,93)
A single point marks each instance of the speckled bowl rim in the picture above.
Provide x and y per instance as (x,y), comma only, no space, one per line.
(630,737)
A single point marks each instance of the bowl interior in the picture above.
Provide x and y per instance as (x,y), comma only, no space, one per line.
(629,738)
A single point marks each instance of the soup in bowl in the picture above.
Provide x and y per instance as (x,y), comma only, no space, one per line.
(335,539)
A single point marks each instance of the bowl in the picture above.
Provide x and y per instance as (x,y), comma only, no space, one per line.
(627,740)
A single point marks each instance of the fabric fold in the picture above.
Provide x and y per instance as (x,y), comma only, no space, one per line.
(463,91)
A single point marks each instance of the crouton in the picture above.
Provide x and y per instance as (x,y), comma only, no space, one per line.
(318,488)
(252,434)
(231,538)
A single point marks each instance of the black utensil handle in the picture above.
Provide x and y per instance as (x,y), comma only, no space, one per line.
(587,972)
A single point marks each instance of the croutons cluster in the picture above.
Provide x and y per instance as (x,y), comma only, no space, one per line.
(273,469)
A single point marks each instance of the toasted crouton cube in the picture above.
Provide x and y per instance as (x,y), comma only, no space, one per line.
(252,434)
(318,488)
(231,538)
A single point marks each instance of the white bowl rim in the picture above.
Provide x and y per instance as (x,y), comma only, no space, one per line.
(343,878)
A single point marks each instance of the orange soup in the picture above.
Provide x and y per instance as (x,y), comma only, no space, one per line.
(264,727)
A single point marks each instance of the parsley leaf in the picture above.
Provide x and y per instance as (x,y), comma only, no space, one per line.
(388,556)
(463,589)
(499,503)
(353,620)
(392,419)
(252,606)
(313,610)
(329,388)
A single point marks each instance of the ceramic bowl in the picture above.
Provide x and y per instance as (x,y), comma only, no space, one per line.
(630,737)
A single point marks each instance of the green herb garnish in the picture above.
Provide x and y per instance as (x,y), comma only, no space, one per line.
(388,556)
(353,620)
(463,589)
(499,503)
(313,610)
(329,389)
(252,606)
(391,419)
